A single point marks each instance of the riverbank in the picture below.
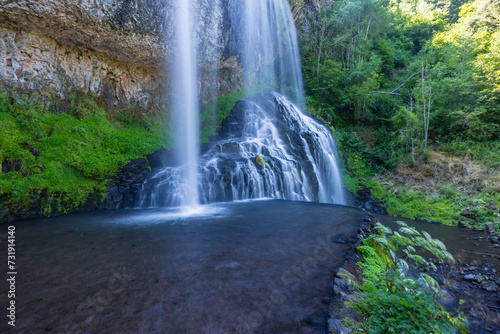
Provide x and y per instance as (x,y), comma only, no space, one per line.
(470,284)
(454,182)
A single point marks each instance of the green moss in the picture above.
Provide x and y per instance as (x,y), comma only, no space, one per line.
(261,162)
(378,190)
(66,157)
(373,265)
(441,208)
(351,183)
(212,116)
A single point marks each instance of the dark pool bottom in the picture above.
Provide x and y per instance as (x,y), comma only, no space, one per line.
(247,267)
(262,266)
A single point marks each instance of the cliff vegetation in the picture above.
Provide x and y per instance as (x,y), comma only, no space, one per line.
(57,158)
(412,89)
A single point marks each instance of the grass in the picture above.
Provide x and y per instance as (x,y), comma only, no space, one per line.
(63,158)
(452,177)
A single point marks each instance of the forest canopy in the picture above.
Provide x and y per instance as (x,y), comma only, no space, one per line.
(426,70)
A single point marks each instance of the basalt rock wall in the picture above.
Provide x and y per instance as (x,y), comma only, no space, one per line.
(116,49)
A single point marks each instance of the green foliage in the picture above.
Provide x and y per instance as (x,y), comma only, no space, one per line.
(391,300)
(408,311)
(212,116)
(363,61)
(65,157)
(372,68)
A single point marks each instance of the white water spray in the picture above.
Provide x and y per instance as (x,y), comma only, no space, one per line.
(269,45)
(267,147)
(185,106)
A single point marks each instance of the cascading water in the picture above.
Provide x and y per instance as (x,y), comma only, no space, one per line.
(185,108)
(266,147)
(266,36)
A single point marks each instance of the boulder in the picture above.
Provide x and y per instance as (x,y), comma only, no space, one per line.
(465,213)
(335,326)
(365,227)
(473,278)
(490,227)
(345,280)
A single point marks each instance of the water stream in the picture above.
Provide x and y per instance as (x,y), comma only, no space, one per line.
(185,107)
(265,34)
(267,147)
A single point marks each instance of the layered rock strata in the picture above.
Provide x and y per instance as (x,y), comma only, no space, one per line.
(115,49)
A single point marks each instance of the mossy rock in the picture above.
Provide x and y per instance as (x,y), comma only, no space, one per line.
(261,162)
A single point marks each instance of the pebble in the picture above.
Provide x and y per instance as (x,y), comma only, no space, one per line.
(336,326)
(472,277)
(489,286)
(490,227)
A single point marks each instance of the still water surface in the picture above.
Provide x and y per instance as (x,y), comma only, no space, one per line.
(258,266)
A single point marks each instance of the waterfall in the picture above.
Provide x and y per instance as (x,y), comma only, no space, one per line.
(266,147)
(269,148)
(266,37)
(185,108)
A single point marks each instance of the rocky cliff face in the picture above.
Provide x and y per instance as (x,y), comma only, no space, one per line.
(118,49)
(304,11)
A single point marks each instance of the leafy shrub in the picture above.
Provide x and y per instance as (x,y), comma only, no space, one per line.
(391,300)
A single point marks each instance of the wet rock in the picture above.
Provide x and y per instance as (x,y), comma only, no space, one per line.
(365,201)
(462,224)
(465,213)
(490,286)
(365,227)
(490,227)
(344,273)
(128,183)
(335,326)
(472,277)
(340,239)
(345,280)
(161,158)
